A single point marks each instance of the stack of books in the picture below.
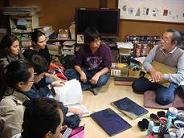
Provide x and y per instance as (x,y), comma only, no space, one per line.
(31,10)
(126,81)
(54,48)
(68,48)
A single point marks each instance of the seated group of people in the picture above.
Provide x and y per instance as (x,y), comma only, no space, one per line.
(26,79)
(26,84)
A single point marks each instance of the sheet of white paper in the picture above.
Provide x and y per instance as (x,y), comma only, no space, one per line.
(70,93)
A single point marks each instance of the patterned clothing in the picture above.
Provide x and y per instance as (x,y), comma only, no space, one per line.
(91,63)
(102,58)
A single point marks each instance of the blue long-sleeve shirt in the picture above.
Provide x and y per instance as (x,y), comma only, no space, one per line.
(41,90)
(177,77)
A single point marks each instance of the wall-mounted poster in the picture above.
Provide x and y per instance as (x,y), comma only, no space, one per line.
(152,10)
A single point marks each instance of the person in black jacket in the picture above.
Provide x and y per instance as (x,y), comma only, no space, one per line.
(42,118)
(39,47)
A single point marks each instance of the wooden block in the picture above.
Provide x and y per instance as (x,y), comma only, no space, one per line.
(127,81)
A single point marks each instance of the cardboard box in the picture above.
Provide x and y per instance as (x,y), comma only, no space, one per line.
(119,70)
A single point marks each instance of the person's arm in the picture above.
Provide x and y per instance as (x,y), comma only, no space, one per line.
(95,78)
(156,75)
(3,62)
(148,60)
(71,110)
(75,111)
(52,76)
(102,71)
(58,83)
(78,69)
(35,93)
(82,74)
(79,57)
(179,76)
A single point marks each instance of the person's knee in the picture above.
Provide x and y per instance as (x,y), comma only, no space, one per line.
(164,100)
(165,95)
(137,87)
(134,86)
(102,81)
(70,74)
(68,71)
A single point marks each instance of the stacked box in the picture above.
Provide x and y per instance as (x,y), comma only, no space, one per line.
(54,48)
(119,70)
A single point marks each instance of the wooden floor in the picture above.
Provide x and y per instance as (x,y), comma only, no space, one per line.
(102,101)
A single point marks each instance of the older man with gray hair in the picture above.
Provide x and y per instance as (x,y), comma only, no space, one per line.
(167,53)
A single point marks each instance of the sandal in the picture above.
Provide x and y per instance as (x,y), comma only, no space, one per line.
(155,119)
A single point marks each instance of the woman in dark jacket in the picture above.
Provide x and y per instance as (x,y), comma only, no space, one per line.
(9,50)
(39,47)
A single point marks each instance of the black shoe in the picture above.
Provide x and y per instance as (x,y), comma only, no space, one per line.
(161,114)
(143,125)
(94,91)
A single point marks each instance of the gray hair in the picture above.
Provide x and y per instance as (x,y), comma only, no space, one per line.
(176,36)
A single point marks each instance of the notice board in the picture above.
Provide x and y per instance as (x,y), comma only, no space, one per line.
(152,10)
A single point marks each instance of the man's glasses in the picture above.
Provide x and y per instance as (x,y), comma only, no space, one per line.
(30,81)
(46,39)
(164,40)
(98,40)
